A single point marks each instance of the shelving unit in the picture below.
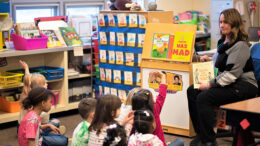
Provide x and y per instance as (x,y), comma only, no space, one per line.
(56,57)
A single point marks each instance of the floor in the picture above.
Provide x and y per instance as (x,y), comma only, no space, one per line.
(8,136)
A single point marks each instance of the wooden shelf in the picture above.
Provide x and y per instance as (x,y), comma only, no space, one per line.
(79,76)
(56,80)
(7,117)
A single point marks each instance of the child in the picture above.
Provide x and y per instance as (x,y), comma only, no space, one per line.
(116,135)
(38,100)
(127,106)
(144,124)
(86,110)
(143,99)
(107,109)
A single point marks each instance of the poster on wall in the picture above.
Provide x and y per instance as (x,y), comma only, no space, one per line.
(176,97)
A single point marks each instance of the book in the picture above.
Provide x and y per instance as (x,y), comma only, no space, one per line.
(203,72)
(53,40)
(160,45)
(70,36)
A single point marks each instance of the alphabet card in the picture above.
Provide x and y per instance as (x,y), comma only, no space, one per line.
(111,20)
(103,56)
(128,78)
(122,95)
(114,91)
(101,19)
(121,20)
(140,40)
(112,38)
(131,39)
(117,76)
(103,38)
(111,57)
(106,90)
(120,39)
(119,58)
(133,20)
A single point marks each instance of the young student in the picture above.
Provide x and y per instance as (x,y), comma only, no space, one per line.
(144,99)
(86,110)
(127,106)
(38,100)
(37,80)
(116,136)
(107,109)
(144,124)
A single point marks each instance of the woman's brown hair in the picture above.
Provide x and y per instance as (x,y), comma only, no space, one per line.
(238,33)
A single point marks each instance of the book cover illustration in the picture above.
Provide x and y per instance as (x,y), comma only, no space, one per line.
(173,80)
(128,78)
(139,59)
(112,37)
(203,72)
(120,39)
(119,58)
(170,49)
(140,40)
(114,91)
(103,56)
(122,95)
(133,20)
(106,90)
(160,45)
(121,20)
(182,47)
(138,79)
(100,90)
(101,20)
(117,76)
(142,21)
(108,75)
(102,74)
(129,59)
(103,38)
(53,40)
(131,39)
(70,36)
(111,55)
(111,20)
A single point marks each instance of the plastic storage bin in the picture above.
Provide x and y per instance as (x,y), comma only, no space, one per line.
(8,79)
(10,107)
(54,100)
(21,43)
(50,73)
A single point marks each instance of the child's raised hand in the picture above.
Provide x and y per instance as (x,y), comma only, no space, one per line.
(129,119)
(25,66)
(163,77)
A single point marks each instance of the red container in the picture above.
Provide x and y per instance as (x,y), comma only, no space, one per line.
(54,100)
(21,43)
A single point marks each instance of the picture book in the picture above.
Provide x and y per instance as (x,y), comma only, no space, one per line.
(112,38)
(103,38)
(108,75)
(70,36)
(121,17)
(117,76)
(53,40)
(100,90)
(29,33)
(122,95)
(101,20)
(142,21)
(111,55)
(129,59)
(133,20)
(128,78)
(203,72)
(138,79)
(111,20)
(120,39)
(119,58)
(160,45)
(140,40)
(103,56)
(106,90)
(114,91)
(102,74)
(131,39)
(182,46)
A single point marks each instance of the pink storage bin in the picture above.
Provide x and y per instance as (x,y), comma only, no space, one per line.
(54,100)
(21,43)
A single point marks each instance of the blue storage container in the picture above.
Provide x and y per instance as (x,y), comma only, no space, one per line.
(50,73)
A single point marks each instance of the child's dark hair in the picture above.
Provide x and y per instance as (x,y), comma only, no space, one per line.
(116,135)
(176,77)
(143,99)
(36,96)
(87,106)
(106,105)
(143,121)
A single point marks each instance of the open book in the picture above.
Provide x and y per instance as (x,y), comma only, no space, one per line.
(203,72)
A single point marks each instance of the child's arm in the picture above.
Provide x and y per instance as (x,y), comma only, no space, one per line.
(52,127)
(162,94)
(128,122)
(31,142)
(25,67)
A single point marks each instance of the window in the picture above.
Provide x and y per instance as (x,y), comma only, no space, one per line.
(74,10)
(28,13)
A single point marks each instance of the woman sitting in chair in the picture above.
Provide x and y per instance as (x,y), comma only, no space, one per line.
(235,80)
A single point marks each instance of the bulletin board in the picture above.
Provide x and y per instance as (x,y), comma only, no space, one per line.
(175,114)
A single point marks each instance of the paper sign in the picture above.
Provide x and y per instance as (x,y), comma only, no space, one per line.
(244,124)
(78,51)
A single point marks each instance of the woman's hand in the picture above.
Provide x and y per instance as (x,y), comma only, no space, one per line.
(204,86)
(205,58)
(129,119)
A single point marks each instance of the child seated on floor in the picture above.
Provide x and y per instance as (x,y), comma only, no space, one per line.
(86,110)
(116,136)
